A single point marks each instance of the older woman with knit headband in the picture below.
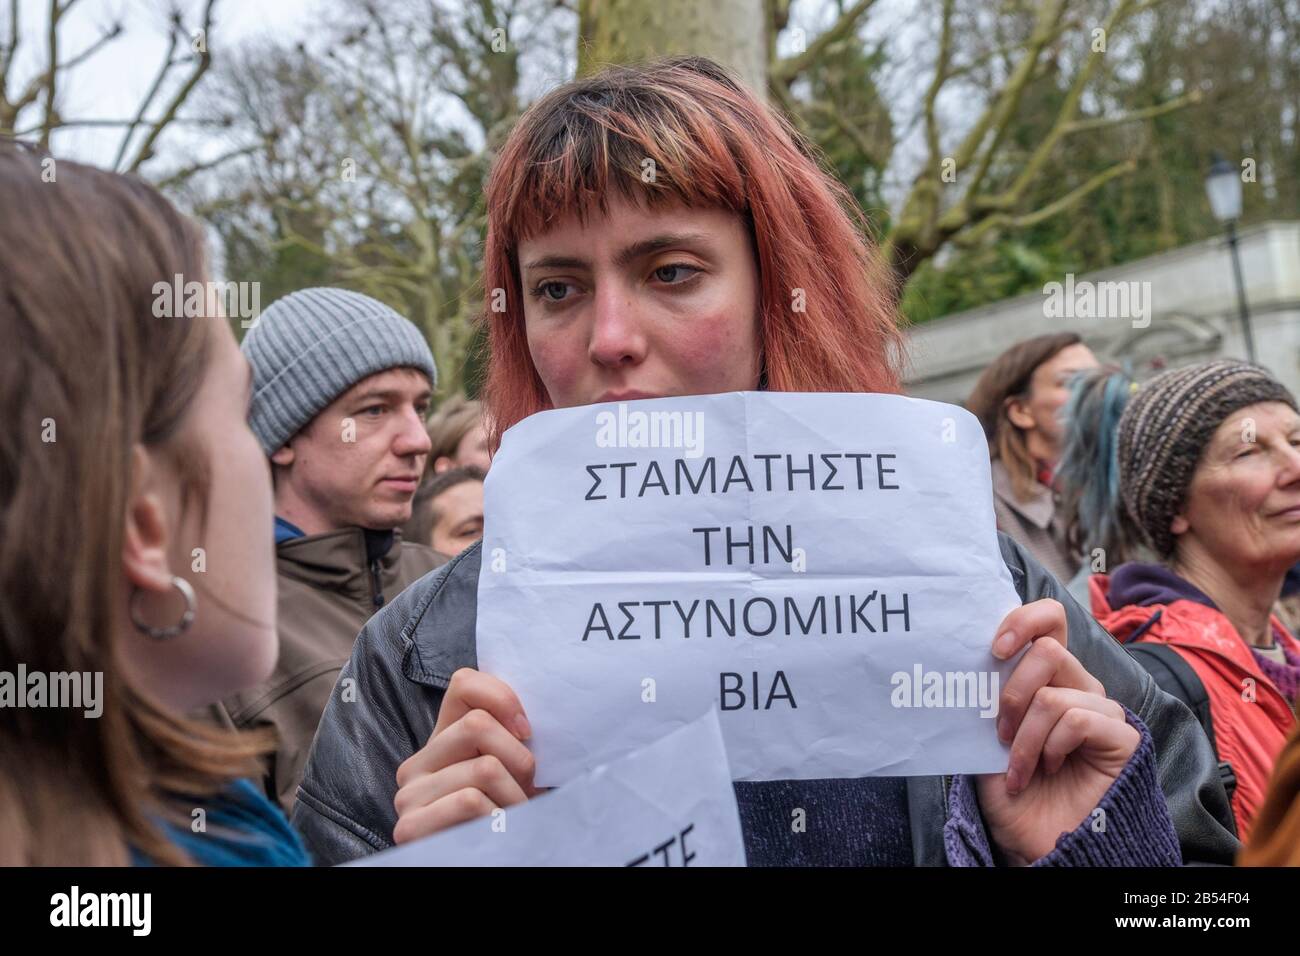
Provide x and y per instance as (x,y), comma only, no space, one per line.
(1210,475)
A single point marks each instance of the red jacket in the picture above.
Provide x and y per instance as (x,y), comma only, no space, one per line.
(1252,718)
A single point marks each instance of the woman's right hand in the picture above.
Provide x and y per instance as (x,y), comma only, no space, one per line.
(474,762)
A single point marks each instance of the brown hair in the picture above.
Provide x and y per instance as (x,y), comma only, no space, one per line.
(1010,376)
(449,425)
(80,252)
(713,145)
(423,514)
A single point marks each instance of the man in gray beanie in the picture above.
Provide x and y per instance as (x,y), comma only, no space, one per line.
(341,388)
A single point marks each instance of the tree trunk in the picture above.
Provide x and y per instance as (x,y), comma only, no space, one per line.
(733,32)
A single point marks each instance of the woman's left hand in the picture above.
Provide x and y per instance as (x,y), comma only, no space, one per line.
(1068,740)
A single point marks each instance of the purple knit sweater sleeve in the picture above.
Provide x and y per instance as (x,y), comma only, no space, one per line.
(1133,829)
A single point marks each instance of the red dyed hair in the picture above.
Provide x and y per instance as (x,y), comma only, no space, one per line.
(714,146)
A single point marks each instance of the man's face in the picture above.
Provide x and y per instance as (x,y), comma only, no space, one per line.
(358,462)
(458,517)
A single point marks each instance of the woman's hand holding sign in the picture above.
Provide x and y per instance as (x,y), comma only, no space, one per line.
(1069,742)
(474,762)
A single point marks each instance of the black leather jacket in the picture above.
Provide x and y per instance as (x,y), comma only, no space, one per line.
(386,702)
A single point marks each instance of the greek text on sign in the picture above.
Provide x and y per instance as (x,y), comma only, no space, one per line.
(823,568)
(668,804)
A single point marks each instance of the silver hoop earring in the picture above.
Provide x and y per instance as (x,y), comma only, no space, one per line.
(167,633)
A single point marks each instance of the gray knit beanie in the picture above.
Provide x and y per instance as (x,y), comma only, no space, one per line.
(309,347)
(1167,425)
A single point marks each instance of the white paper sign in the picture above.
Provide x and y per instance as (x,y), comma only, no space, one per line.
(822,567)
(668,804)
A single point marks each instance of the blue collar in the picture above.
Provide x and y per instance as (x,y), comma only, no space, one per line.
(285,531)
(241,827)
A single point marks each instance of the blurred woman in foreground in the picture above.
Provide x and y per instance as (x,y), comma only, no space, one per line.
(135,529)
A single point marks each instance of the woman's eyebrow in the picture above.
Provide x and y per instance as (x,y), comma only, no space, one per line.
(557,262)
(625,255)
(654,244)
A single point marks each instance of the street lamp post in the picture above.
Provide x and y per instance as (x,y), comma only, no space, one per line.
(1223,187)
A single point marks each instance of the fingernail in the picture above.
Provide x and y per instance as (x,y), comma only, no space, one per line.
(1002,729)
(1013,781)
(1002,646)
(522,729)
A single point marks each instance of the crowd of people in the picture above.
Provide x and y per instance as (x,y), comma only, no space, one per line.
(268,548)
(1171,508)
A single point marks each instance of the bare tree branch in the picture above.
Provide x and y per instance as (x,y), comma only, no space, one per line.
(10,48)
(169,61)
(204,62)
(1045,30)
(1072,198)
(186,172)
(849,129)
(783,71)
(932,94)
(52,74)
(922,228)
(1002,52)
(1102,122)
(1123,11)
(65,124)
(103,40)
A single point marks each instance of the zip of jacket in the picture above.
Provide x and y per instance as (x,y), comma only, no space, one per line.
(376,585)
(377,544)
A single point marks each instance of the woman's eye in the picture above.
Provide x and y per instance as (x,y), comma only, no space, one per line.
(673,274)
(554,291)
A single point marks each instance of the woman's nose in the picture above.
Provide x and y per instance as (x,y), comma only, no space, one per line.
(1289,465)
(617,337)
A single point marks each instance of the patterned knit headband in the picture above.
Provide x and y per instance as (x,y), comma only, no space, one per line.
(1167,425)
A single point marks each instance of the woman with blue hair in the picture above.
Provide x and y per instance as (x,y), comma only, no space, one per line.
(1088,475)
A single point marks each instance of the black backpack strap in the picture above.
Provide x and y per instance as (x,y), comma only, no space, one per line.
(1175,676)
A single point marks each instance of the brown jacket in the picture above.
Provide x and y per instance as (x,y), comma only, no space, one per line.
(1035,524)
(329,586)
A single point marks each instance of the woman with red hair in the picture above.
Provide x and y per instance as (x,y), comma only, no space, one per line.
(656,231)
